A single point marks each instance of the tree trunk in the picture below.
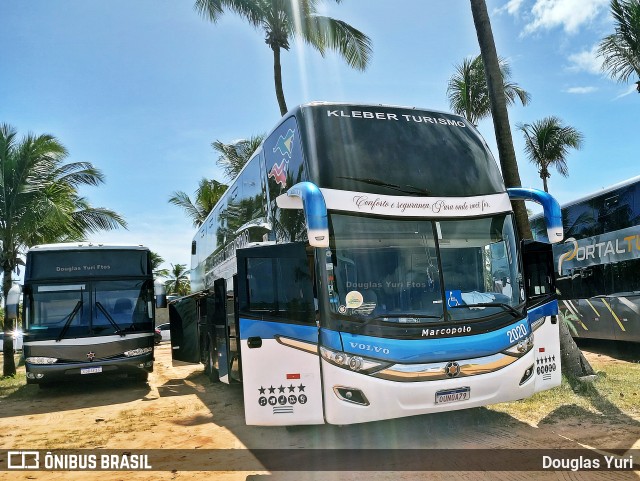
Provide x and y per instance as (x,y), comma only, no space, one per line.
(576,364)
(573,361)
(277,77)
(9,364)
(495,84)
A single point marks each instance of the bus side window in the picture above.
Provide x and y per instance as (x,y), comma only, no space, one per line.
(279,288)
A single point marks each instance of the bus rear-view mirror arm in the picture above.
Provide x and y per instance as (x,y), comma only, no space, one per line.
(160,292)
(552,213)
(13,300)
(314,207)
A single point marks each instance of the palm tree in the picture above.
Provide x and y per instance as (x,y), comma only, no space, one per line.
(178,282)
(235,155)
(499,114)
(547,143)
(283,19)
(39,203)
(208,194)
(573,361)
(621,50)
(468,92)
(156,262)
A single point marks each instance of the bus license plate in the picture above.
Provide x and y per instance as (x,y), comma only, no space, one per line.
(453,395)
(91,370)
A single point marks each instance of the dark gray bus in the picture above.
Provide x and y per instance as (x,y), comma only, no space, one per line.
(88,311)
(597,265)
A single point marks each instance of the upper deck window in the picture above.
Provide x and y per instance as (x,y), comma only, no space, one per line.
(397,151)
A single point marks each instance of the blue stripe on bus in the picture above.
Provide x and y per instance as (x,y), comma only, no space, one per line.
(400,350)
(268,329)
(432,350)
(548,309)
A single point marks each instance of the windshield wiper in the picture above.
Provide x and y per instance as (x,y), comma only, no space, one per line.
(506,307)
(416,190)
(110,319)
(72,314)
(366,322)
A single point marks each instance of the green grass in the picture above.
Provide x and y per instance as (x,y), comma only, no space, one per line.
(11,385)
(615,392)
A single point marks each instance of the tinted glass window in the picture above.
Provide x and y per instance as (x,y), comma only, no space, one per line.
(250,206)
(617,210)
(280,288)
(625,277)
(285,166)
(579,221)
(361,148)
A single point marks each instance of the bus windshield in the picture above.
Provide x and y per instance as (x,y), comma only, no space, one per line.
(405,271)
(90,309)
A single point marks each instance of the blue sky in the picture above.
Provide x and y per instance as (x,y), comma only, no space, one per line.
(141,89)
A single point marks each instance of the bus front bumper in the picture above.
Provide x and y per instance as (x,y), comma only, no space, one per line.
(45,373)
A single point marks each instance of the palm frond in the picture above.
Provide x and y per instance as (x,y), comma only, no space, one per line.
(182,200)
(621,50)
(235,155)
(322,33)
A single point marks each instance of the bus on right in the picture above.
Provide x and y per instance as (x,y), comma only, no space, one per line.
(597,267)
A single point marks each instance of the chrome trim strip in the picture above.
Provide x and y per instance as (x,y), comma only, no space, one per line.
(87,341)
(537,324)
(305,346)
(437,372)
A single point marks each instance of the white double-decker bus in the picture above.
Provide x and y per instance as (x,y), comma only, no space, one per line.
(364,265)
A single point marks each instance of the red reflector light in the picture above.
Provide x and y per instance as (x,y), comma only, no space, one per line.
(293,376)
(541,349)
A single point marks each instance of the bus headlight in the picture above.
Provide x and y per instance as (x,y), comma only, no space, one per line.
(523,346)
(354,363)
(41,360)
(138,352)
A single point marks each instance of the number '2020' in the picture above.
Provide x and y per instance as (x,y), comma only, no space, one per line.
(517,333)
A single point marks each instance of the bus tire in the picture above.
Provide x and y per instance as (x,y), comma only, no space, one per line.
(210,368)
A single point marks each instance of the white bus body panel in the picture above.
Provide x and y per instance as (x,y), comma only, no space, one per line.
(547,349)
(281,385)
(391,399)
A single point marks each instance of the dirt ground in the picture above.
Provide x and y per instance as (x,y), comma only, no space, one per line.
(180,409)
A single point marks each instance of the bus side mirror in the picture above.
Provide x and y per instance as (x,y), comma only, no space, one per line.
(552,213)
(160,292)
(308,197)
(13,301)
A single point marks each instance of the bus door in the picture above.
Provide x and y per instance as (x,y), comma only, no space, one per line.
(542,311)
(221,337)
(185,331)
(278,336)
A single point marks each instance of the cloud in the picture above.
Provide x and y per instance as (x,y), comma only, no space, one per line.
(512,7)
(629,91)
(581,90)
(567,14)
(586,61)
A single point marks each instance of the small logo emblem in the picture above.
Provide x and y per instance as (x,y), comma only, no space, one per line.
(279,173)
(452,369)
(91,356)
